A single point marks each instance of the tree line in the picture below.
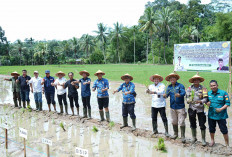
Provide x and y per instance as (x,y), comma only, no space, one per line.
(163,24)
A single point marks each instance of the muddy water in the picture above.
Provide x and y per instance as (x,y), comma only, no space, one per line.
(103,143)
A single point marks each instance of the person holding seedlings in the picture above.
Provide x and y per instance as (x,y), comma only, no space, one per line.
(15,89)
(197,96)
(102,86)
(128,104)
(218,103)
(36,89)
(176,91)
(24,88)
(49,90)
(61,92)
(72,92)
(157,89)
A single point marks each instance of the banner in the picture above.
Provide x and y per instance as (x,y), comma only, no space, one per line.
(205,56)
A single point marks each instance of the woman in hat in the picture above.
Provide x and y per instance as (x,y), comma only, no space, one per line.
(128,104)
(102,86)
(15,88)
(157,89)
(176,91)
(196,98)
(61,92)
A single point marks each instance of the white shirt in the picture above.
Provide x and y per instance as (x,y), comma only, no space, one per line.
(36,84)
(60,89)
(158,102)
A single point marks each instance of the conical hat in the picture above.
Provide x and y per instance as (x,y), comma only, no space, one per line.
(84,71)
(15,73)
(127,75)
(156,76)
(196,77)
(172,75)
(60,72)
(99,72)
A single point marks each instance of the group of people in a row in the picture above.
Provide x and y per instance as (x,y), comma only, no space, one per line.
(197,97)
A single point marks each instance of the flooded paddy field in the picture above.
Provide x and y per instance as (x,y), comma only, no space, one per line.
(108,141)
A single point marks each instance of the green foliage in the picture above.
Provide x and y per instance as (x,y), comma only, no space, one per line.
(95,129)
(161,146)
(97,58)
(62,126)
(111,124)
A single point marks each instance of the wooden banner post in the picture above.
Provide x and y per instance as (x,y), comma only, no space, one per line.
(6,139)
(23,133)
(24,143)
(48,143)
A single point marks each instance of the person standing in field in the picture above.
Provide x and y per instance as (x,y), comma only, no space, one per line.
(36,89)
(49,90)
(102,86)
(72,92)
(15,89)
(197,96)
(61,92)
(128,104)
(157,89)
(176,91)
(24,88)
(218,103)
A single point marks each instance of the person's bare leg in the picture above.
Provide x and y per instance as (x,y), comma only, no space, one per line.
(72,111)
(54,105)
(106,109)
(212,139)
(49,107)
(226,139)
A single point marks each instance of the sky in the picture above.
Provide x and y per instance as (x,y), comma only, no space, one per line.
(64,19)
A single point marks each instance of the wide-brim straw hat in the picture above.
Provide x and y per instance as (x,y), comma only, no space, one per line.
(60,72)
(127,75)
(167,78)
(15,73)
(84,71)
(196,77)
(99,72)
(156,76)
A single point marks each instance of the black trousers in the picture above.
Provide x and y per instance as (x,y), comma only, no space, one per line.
(128,109)
(103,102)
(221,123)
(86,102)
(201,119)
(162,111)
(62,98)
(75,99)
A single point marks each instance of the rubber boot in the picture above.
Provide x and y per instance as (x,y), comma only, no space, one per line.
(84,112)
(66,109)
(175,129)
(134,124)
(125,124)
(37,106)
(72,111)
(78,112)
(101,115)
(20,106)
(24,104)
(40,106)
(154,125)
(28,105)
(194,135)
(107,116)
(15,103)
(182,129)
(61,109)
(203,137)
(166,129)
(89,113)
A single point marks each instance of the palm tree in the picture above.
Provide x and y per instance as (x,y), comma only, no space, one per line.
(30,41)
(118,34)
(134,29)
(102,37)
(42,51)
(20,49)
(148,25)
(86,43)
(164,19)
(75,46)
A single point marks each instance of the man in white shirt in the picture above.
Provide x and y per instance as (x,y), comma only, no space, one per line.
(36,89)
(61,92)
(158,102)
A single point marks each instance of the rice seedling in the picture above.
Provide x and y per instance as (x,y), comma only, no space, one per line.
(62,126)
(192,94)
(95,129)
(161,145)
(111,124)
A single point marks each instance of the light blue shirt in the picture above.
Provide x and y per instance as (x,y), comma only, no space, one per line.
(99,85)
(129,98)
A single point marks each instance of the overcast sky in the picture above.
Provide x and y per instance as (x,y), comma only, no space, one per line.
(64,19)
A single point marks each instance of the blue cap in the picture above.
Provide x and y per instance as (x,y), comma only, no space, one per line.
(47,71)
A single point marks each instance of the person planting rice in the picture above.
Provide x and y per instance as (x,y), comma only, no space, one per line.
(72,92)
(128,104)
(24,88)
(176,91)
(61,92)
(15,88)
(196,98)
(49,90)
(102,86)
(157,89)
(36,89)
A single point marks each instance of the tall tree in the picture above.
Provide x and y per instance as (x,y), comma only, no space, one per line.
(75,46)
(86,43)
(20,48)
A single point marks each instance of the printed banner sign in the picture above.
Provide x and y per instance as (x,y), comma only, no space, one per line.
(46,141)
(81,152)
(205,56)
(23,133)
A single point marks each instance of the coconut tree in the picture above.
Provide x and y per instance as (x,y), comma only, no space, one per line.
(148,25)
(134,30)
(101,36)
(30,41)
(41,51)
(20,47)
(75,46)
(86,43)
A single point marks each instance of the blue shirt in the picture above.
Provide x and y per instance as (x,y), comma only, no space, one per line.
(129,98)
(48,88)
(176,102)
(85,89)
(24,86)
(218,100)
(101,84)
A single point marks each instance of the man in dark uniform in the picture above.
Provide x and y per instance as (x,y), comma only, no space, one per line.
(221,66)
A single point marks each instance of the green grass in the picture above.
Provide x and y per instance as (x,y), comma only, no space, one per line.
(141,73)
